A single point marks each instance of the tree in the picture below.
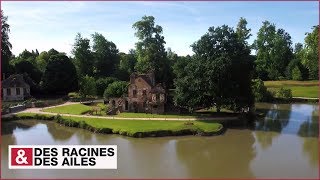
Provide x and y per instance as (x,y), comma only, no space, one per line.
(27,67)
(83,56)
(87,86)
(42,60)
(151,54)
(311,53)
(103,83)
(60,76)
(116,89)
(242,31)
(274,52)
(5,45)
(219,74)
(106,55)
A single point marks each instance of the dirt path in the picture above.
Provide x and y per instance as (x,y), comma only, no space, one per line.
(39,111)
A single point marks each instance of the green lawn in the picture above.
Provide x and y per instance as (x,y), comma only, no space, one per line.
(70,109)
(308,89)
(144,115)
(78,109)
(132,127)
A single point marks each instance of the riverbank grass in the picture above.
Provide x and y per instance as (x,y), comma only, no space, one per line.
(308,89)
(133,128)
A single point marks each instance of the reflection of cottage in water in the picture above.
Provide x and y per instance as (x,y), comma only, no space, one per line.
(144,95)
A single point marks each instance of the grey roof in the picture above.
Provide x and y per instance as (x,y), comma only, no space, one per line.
(15,80)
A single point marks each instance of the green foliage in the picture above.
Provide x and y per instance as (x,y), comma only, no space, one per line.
(218,75)
(27,67)
(150,49)
(284,93)
(105,54)
(296,74)
(103,83)
(311,53)
(274,51)
(116,89)
(60,76)
(5,45)
(83,56)
(260,91)
(87,86)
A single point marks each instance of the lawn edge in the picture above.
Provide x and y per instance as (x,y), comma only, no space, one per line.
(196,131)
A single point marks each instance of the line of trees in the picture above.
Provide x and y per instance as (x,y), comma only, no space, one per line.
(219,73)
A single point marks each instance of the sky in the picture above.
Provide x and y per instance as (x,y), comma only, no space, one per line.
(46,25)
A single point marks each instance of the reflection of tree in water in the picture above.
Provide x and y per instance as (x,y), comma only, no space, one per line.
(310,130)
(310,148)
(277,117)
(60,132)
(226,156)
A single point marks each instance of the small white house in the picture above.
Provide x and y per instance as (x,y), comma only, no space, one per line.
(15,88)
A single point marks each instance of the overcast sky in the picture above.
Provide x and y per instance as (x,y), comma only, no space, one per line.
(46,25)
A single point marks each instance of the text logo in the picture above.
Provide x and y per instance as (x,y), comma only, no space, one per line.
(63,157)
(21,157)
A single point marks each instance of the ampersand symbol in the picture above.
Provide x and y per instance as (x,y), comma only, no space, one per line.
(20,159)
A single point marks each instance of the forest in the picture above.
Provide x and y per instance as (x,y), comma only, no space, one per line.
(224,70)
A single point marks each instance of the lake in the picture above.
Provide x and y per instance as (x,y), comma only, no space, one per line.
(283,144)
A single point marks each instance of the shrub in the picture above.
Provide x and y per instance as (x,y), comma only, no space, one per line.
(284,93)
(116,89)
(260,91)
(102,84)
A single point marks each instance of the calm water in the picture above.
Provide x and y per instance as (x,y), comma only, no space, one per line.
(284,144)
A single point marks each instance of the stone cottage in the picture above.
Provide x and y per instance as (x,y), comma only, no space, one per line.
(144,95)
(15,88)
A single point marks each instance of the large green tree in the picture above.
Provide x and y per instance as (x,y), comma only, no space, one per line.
(106,55)
(83,57)
(274,52)
(311,53)
(60,76)
(151,54)
(219,74)
(27,67)
(5,45)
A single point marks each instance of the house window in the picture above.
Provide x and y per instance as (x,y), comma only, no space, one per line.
(134,93)
(144,92)
(9,92)
(18,91)
(158,97)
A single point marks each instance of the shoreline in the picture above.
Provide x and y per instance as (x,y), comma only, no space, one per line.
(184,128)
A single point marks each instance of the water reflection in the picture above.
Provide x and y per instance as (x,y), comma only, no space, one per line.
(301,119)
(216,157)
(282,144)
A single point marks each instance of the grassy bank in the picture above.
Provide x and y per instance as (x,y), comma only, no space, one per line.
(309,89)
(76,109)
(133,128)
